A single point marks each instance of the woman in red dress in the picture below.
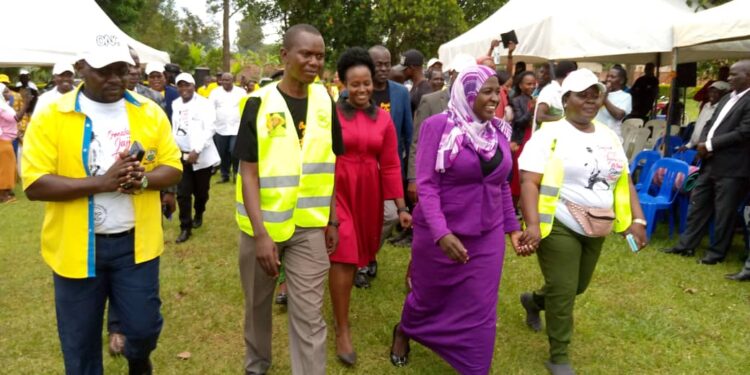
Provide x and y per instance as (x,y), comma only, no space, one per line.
(368,173)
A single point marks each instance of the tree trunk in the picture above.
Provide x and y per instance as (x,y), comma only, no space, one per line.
(225,39)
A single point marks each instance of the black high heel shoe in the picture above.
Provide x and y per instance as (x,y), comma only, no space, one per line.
(396,360)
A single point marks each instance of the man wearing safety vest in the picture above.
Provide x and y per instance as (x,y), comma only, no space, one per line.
(287,145)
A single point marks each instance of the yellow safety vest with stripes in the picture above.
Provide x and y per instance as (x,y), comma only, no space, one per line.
(296,183)
(549,192)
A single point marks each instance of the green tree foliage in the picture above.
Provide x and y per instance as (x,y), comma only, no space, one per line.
(476,11)
(249,34)
(124,13)
(399,24)
(193,30)
(704,4)
(423,25)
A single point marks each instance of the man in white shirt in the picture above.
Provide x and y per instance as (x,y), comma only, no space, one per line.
(716,92)
(193,119)
(617,103)
(63,77)
(226,100)
(725,170)
(549,106)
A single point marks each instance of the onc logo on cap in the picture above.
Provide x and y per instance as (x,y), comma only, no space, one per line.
(402,60)
(107,40)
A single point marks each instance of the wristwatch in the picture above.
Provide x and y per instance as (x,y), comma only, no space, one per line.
(144,182)
(640,221)
(402,209)
(334,224)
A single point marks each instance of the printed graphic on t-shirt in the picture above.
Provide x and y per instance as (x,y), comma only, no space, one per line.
(104,150)
(184,120)
(603,166)
(386,106)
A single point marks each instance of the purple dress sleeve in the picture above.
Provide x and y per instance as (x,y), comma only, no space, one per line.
(428,180)
(510,222)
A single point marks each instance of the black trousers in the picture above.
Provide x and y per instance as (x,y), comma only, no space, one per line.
(717,196)
(193,183)
(225,146)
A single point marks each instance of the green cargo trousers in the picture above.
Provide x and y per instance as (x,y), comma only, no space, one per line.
(567,260)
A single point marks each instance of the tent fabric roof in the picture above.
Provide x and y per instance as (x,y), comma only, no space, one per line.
(637,31)
(51,43)
(725,22)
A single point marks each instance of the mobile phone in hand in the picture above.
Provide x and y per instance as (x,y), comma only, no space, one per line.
(137,151)
(631,242)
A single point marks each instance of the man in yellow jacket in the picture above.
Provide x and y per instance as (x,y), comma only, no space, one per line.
(102,233)
(287,145)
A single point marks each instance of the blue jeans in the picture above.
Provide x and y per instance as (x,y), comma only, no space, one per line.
(225,146)
(132,290)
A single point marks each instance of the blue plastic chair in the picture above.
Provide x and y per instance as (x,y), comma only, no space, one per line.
(674,142)
(688,156)
(642,163)
(664,194)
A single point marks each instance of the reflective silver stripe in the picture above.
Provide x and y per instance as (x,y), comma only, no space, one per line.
(279,182)
(548,190)
(545,218)
(241,209)
(268,216)
(312,202)
(277,217)
(318,168)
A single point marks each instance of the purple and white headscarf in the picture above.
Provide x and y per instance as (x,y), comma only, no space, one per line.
(463,125)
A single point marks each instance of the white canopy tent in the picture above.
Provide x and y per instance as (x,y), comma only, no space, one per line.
(59,32)
(724,28)
(636,31)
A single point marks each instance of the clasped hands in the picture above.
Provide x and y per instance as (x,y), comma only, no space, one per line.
(124,175)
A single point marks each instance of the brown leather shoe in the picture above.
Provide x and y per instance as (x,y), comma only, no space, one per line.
(116,344)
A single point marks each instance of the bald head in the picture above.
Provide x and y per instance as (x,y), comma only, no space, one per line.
(381,57)
(739,76)
(227,81)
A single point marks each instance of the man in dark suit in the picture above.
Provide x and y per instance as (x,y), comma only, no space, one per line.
(725,171)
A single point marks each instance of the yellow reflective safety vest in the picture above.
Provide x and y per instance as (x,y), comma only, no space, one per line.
(296,183)
(549,192)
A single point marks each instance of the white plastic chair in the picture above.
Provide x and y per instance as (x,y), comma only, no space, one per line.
(635,142)
(637,122)
(655,135)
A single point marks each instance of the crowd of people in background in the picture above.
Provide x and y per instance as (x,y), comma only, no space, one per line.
(325,174)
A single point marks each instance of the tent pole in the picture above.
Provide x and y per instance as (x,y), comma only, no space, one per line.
(658,71)
(674,94)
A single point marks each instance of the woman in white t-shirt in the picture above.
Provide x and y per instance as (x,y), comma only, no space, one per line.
(617,103)
(589,163)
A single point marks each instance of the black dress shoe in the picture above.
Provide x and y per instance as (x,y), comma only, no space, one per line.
(673,250)
(197,221)
(743,275)
(140,367)
(184,236)
(372,269)
(361,280)
(709,261)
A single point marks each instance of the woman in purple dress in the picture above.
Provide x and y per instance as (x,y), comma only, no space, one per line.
(464,211)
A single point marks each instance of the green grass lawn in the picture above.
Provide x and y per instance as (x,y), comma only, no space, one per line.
(649,313)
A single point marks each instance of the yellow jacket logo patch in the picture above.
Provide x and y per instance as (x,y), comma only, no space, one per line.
(276,124)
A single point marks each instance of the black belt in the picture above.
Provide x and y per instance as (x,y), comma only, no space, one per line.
(116,235)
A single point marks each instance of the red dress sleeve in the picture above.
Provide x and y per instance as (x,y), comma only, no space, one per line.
(390,165)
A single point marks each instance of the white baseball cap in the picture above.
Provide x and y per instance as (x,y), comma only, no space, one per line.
(720,85)
(580,80)
(23,72)
(104,49)
(461,62)
(61,68)
(433,61)
(187,77)
(154,67)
